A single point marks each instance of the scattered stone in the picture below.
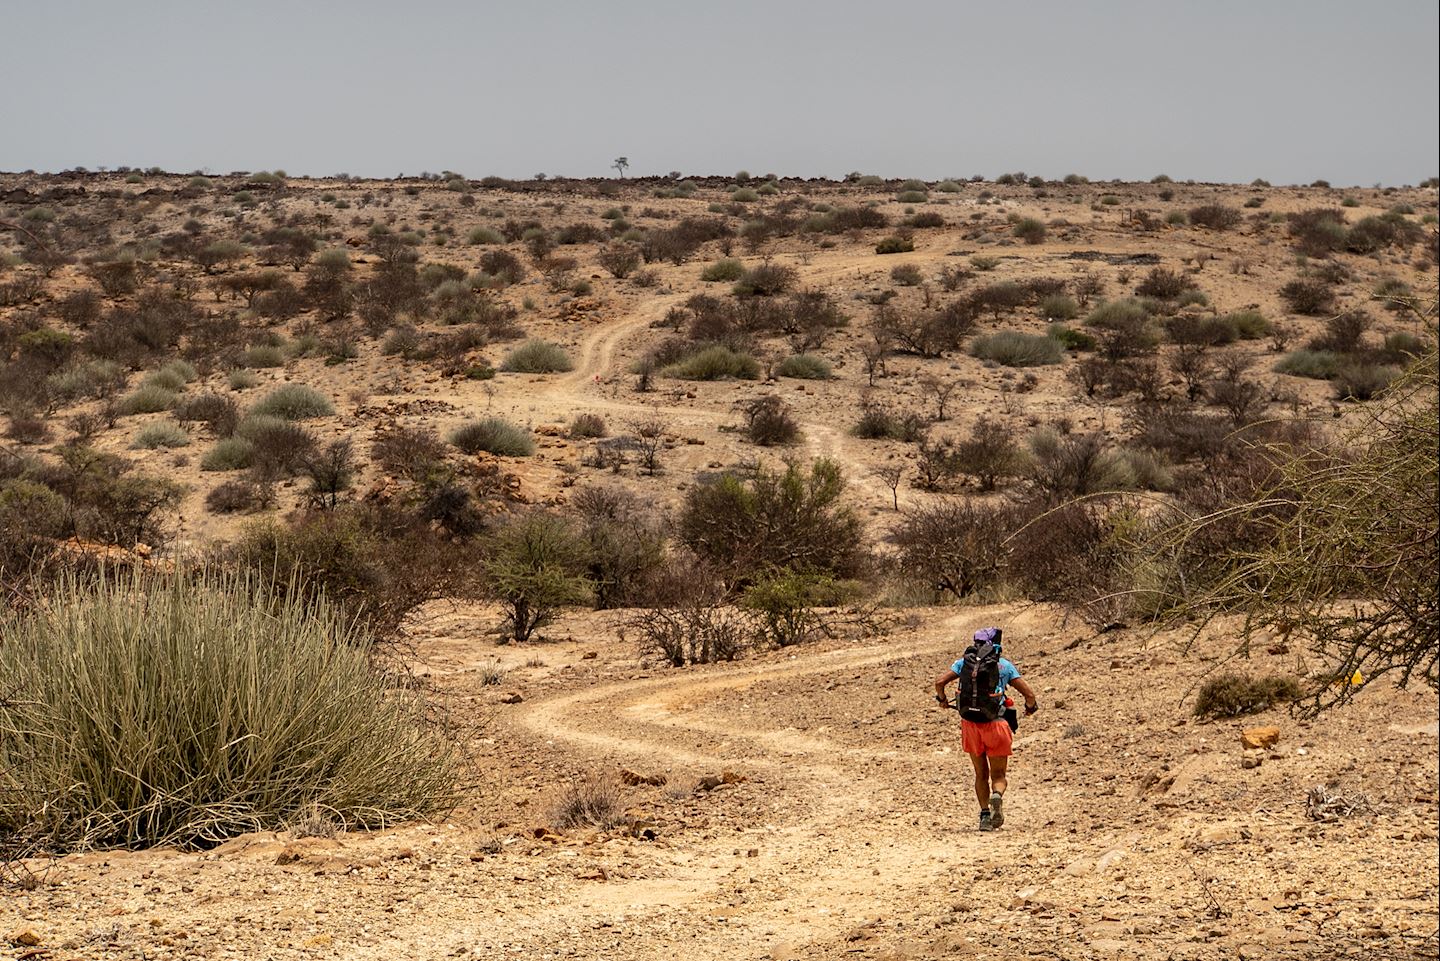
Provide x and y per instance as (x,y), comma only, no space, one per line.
(1250,761)
(288,856)
(1253,738)
(26,938)
(634,780)
(512,698)
(589,655)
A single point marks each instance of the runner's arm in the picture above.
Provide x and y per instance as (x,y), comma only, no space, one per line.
(941,681)
(1031,706)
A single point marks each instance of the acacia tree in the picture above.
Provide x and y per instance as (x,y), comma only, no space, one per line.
(620,164)
(1345,546)
(535,567)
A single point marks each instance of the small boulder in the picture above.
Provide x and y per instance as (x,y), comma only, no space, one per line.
(512,698)
(1255,738)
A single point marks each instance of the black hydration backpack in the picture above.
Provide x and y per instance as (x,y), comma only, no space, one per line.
(977,699)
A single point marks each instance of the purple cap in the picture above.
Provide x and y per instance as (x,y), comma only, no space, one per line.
(986,634)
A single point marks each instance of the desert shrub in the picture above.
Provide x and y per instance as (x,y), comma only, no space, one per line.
(162,434)
(241,380)
(1315,364)
(619,259)
(894,245)
(1319,231)
(534,566)
(1164,284)
(1011,348)
(414,453)
(1247,324)
(953,546)
(715,362)
(1076,464)
(585,425)
(778,519)
(765,280)
(293,402)
(27,428)
(594,801)
(1401,348)
(768,422)
(925,220)
(148,400)
(726,269)
(1309,297)
(29,510)
(697,630)
(537,357)
(483,236)
(785,602)
(493,435)
(907,275)
(744,195)
(1030,230)
(1059,307)
(1117,314)
(911,197)
(1360,381)
(230,453)
(877,423)
(1234,695)
(990,454)
(261,356)
(338,734)
(1069,338)
(279,446)
(1214,216)
(804,367)
(1376,233)
(91,379)
(502,264)
(1343,333)
(239,496)
(218,413)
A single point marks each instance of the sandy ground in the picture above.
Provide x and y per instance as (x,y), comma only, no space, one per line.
(849,828)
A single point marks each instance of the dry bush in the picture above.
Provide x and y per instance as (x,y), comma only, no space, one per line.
(768,422)
(596,801)
(414,453)
(954,546)
(1308,297)
(990,454)
(1234,695)
(1215,216)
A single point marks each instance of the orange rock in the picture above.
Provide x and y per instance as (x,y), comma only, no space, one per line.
(1259,737)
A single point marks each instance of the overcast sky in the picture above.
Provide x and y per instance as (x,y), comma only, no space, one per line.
(1221,90)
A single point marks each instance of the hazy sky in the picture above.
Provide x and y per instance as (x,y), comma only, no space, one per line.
(1221,90)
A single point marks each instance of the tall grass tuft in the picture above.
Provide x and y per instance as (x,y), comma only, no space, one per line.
(145,710)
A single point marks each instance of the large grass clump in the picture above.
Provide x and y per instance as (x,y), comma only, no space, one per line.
(294,402)
(165,433)
(715,362)
(537,357)
(493,435)
(185,710)
(148,399)
(805,367)
(1010,348)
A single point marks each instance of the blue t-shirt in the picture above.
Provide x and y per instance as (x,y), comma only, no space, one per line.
(1008,673)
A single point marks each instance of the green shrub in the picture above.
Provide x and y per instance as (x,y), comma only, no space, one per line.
(877,423)
(293,402)
(1247,324)
(804,367)
(1177,218)
(1118,314)
(263,355)
(948,187)
(241,380)
(895,245)
(1070,338)
(164,380)
(1030,230)
(1059,307)
(728,269)
(984,262)
(231,453)
(271,708)
(483,236)
(1233,695)
(163,434)
(744,195)
(1011,348)
(537,357)
(587,425)
(1363,381)
(493,435)
(715,362)
(1315,364)
(148,400)
(912,197)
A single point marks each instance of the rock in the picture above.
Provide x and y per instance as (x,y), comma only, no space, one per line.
(512,698)
(1080,867)
(1107,859)
(730,777)
(1250,762)
(633,779)
(1259,737)
(1022,897)
(709,782)
(288,856)
(26,938)
(589,655)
